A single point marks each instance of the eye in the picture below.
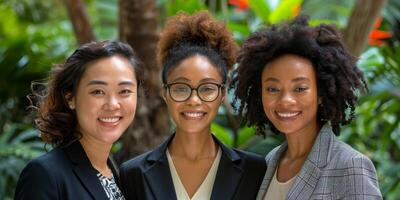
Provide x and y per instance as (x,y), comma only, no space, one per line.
(126,92)
(300,89)
(271,89)
(180,88)
(207,89)
(97,92)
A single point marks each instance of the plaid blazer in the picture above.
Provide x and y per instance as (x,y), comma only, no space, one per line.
(333,170)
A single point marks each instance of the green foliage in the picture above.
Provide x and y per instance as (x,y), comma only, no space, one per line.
(103,15)
(284,11)
(261,9)
(18,144)
(376,129)
(189,6)
(36,34)
(31,40)
(27,51)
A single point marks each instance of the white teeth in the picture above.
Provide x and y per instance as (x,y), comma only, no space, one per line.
(109,119)
(288,114)
(193,114)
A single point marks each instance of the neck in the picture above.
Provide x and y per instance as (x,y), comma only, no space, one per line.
(97,153)
(193,146)
(301,143)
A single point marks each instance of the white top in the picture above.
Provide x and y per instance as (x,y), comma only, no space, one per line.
(278,190)
(205,189)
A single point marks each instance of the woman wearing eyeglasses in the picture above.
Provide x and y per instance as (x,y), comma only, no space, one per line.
(195,52)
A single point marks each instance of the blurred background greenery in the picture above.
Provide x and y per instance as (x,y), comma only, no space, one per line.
(34,34)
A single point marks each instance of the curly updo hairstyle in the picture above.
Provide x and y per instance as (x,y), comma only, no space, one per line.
(55,120)
(339,81)
(199,34)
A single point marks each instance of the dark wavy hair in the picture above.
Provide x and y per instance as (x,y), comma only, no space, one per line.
(199,34)
(55,120)
(339,81)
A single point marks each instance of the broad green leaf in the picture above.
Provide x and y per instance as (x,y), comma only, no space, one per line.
(222,134)
(286,10)
(261,9)
(244,135)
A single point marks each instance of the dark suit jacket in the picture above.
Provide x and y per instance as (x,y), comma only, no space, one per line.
(148,176)
(62,173)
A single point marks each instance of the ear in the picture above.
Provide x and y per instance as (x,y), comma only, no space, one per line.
(164,94)
(70,100)
(319,100)
(223,94)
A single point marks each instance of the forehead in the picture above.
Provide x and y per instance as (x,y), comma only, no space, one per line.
(112,68)
(194,69)
(289,66)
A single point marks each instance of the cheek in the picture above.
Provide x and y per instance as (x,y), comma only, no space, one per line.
(172,107)
(131,104)
(267,103)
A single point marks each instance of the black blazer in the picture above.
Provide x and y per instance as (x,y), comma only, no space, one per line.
(148,176)
(62,173)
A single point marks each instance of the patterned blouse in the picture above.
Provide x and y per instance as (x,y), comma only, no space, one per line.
(111,188)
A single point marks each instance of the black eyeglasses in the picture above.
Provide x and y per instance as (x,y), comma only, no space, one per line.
(180,92)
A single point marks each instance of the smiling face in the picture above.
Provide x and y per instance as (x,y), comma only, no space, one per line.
(105,101)
(194,115)
(289,94)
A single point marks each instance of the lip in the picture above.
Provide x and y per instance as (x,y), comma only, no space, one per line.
(110,120)
(193,115)
(287,115)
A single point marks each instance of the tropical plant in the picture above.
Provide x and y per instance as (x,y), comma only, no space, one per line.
(19,143)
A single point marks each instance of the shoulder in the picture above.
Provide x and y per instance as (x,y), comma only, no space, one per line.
(251,160)
(136,163)
(348,157)
(249,155)
(50,161)
(272,153)
(358,171)
(39,177)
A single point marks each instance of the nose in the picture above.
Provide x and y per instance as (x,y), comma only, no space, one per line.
(112,103)
(287,99)
(194,99)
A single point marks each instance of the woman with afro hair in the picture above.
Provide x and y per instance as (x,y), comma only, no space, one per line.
(195,52)
(307,84)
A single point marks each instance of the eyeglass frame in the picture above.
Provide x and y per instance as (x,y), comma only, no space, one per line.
(168,85)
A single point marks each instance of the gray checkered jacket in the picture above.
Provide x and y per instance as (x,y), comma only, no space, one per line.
(333,170)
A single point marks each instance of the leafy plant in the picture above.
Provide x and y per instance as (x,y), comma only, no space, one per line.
(19,143)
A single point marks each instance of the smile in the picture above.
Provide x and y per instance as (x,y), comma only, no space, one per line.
(287,114)
(193,115)
(109,119)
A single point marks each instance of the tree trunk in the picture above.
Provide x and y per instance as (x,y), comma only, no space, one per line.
(80,21)
(362,19)
(139,26)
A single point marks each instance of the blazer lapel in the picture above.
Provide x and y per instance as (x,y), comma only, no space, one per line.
(84,170)
(158,174)
(228,175)
(272,164)
(306,181)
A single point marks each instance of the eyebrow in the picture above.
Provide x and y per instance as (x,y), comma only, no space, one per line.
(271,79)
(293,80)
(301,78)
(188,80)
(181,79)
(98,82)
(205,80)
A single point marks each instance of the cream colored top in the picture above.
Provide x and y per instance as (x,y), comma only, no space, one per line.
(278,190)
(205,189)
